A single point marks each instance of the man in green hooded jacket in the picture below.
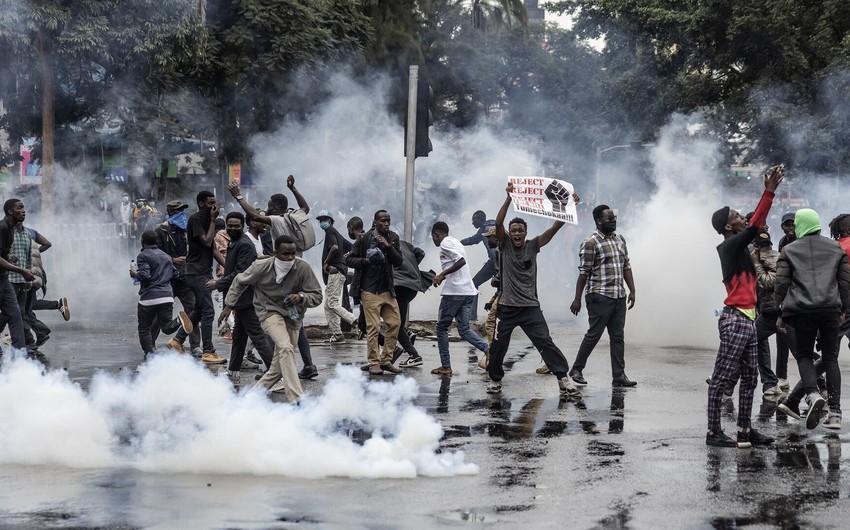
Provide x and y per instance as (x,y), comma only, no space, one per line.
(812,290)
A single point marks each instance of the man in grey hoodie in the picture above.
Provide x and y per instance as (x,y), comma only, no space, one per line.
(285,279)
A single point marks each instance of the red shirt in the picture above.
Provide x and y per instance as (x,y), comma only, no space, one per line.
(845,244)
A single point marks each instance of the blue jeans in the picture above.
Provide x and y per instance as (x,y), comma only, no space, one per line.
(458,308)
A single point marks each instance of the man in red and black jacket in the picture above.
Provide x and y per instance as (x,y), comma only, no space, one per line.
(738,345)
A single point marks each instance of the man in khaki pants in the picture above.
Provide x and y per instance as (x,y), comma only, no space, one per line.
(373,256)
(290,280)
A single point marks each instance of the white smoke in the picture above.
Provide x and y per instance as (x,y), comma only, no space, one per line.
(176,416)
(672,245)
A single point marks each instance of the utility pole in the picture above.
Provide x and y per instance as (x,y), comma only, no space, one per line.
(410,151)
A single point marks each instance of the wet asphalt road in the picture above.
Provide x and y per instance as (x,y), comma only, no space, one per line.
(620,458)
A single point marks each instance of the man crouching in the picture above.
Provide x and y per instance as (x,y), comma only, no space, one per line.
(284,287)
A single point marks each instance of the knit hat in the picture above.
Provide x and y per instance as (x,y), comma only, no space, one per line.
(806,221)
(720,219)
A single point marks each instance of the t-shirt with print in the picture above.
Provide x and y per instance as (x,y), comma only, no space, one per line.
(279,226)
(519,273)
(458,283)
(199,258)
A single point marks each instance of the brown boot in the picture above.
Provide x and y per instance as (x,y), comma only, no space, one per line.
(374,369)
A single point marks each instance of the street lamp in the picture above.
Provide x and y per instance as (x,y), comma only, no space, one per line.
(600,152)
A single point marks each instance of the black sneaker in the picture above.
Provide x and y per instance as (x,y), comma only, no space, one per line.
(252,357)
(411,362)
(308,372)
(719,439)
(744,440)
(41,340)
(757,438)
(397,353)
(791,410)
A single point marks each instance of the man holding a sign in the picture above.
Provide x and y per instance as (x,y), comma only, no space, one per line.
(518,302)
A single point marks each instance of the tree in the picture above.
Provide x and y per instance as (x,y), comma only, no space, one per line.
(723,55)
(252,51)
(79,48)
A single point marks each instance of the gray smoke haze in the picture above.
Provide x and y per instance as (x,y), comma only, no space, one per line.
(347,156)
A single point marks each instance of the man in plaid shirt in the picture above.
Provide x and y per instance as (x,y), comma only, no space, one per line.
(603,266)
(13,295)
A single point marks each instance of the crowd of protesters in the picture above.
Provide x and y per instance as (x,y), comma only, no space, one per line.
(799,293)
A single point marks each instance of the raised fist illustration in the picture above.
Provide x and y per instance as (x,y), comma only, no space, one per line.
(559,196)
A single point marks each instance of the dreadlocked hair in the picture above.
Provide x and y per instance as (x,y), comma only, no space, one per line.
(839,225)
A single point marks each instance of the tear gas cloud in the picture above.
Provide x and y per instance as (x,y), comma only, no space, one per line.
(349,156)
(160,421)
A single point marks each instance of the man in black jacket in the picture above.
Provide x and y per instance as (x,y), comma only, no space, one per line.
(171,239)
(241,253)
(373,256)
(813,292)
(334,274)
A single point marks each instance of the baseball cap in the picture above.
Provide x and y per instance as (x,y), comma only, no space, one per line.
(763,238)
(177,205)
(787,217)
(490,231)
(325,213)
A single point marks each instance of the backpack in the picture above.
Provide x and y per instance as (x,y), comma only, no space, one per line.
(299,227)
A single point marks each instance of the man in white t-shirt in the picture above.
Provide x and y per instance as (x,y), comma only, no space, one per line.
(255,232)
(458,296)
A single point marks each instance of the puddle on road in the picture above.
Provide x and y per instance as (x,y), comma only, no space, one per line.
(779,512)
(814,461)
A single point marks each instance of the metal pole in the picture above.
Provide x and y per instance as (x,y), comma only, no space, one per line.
(598,162)
(413,80)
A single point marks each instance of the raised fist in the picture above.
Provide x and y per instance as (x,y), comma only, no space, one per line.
(559,196)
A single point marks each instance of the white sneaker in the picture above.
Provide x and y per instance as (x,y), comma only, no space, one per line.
(494,387)
(235,376)
(567,388)
(784,384)
(197,351)
(816,403)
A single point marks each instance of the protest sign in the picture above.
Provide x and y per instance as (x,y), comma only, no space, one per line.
(544,197)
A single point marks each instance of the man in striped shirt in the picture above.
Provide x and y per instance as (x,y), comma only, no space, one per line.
(603,266)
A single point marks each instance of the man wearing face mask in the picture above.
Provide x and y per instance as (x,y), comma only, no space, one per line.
(603,266)
(171,239)
(284,287)
(241,253)
(334,273)
(278,217)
